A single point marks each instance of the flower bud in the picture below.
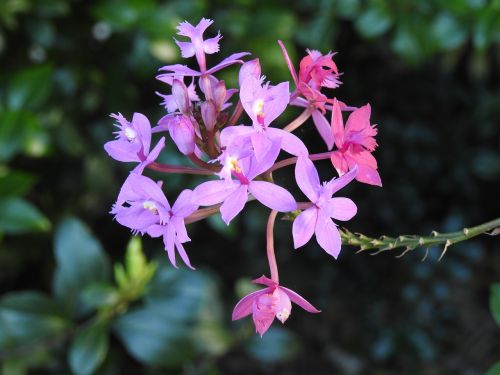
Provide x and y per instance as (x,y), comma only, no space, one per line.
(209,114)
(181,96)
(182,132)
(219,94)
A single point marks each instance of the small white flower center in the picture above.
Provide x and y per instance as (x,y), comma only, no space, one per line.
(150,206)
(232,162)
(258,107)
(130,133)
(283,315)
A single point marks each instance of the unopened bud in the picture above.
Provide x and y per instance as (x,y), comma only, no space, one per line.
(209,114)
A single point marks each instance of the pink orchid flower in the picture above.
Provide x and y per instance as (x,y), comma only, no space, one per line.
(355,144)
(317,219)
(268,303)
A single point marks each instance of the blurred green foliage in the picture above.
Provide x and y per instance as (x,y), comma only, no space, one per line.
(430,69)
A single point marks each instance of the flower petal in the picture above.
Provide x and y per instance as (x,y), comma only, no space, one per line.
(123,151)
(327,235)
(185,204)
(307,178)
(335,184)
(264,281)
(232,59)
(283,306)
(211,45)
(299,300)
(244,306)
(234,203)
(340,209)
(143,127)
(337,124)
(303,226)
(213,192)
(272,196)
(183,254)
(323,128)
(289,142)
(187,48)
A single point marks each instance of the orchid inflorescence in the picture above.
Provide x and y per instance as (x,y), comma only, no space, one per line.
(243,157)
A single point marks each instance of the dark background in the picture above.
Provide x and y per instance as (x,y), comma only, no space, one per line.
(431,72)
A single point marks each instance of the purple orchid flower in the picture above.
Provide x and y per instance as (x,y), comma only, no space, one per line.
(317,218)
(234,193)
(264,103)
(142,207)
(197,47)
(268,303)
(133,142)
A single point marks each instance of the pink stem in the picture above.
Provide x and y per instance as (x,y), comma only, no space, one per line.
(236,114)
(290,161)
(202,164)
(270,247)
(298,121)
(166,168)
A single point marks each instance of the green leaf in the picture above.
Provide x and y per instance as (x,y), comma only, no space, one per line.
(19,216)
(495,301)
(276,345)
(154,337)
(29,316)
(100,295)
(89,349)
(80,262)
(447,32)
(373,22)
(30,88)
(15,183)
(16,131)
(494,370)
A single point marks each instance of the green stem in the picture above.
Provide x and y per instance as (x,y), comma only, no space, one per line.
(167,168)
(411,242)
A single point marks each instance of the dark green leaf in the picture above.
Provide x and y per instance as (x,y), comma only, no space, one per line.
(30,88)
(495,301)
(494,370)
(16,131)
(154,337)
(15,183)
(373,22)
(19,216)
(28,316)
(80,262)
(89,349)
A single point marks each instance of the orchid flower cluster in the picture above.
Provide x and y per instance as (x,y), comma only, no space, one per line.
(202,117)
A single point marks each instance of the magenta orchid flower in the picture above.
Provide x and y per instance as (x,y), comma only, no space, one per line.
(355,144)
(315,71)
(133,141)
(317,219)
(142,207)
(268,303)
(234,192)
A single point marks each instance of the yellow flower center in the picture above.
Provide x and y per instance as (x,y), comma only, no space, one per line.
(150,206)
